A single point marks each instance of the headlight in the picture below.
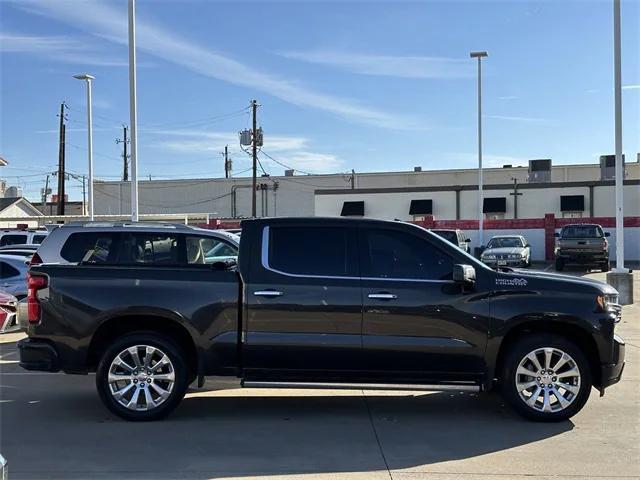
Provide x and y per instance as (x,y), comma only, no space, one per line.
(607,302)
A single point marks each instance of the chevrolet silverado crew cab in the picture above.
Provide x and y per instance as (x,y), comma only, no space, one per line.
(318,303)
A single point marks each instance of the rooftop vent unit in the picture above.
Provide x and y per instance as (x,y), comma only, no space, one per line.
(507,166)
(13,192)
(289,173)
(540,171)
(608,167)
(417,169)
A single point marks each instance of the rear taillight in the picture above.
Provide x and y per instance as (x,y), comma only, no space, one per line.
(35,260)
(606,243)
(3,318)
(34,283)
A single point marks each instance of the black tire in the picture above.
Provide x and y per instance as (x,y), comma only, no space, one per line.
(517,353)
(559,264)
(178,366)
(606,266)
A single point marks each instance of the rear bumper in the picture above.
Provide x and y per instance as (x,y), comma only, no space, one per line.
(611,373)
(586,257)
(38,355)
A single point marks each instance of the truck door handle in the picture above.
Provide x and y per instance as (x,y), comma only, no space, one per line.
(268,293)
(383,296)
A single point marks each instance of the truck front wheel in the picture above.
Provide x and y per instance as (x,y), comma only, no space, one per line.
(546,377)
(142,376)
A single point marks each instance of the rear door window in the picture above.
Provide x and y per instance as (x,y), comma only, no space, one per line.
(400,255)
(90,247)
(13,239)
(313,251)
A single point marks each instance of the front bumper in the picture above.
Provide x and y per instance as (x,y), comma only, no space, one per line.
(38,355)
(510,262)
(611,373)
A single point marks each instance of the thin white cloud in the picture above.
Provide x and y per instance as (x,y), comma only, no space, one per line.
(293,151)
(513,118)
(386,65)
(59,48)
(631,87)
(508,97)
(106,21)
(309,162)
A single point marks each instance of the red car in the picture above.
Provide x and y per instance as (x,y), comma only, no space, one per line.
(8,320)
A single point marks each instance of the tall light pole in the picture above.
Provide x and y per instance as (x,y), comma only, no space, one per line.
(617,61)
(88,78)
(133,111)
(479,56)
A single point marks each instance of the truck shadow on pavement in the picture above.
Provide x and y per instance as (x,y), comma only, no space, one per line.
(232,433)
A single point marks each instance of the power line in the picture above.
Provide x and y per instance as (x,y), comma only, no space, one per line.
(205,120)
(285,165)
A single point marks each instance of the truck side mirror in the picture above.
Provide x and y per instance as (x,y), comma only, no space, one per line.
(468,240)
(607,234)
(464,274)
(557,235)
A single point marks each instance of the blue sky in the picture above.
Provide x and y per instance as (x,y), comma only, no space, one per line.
(365,85)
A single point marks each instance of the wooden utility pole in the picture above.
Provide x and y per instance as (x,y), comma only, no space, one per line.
(254,152)
(125,155)
(61,166)
(227,162)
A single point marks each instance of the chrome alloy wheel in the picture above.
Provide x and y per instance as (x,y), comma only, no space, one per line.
(548,379)
(141,377)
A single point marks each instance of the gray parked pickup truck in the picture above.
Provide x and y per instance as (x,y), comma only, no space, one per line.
(318,303)
(583,244)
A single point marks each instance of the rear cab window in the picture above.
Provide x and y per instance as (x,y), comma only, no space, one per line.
(582,231)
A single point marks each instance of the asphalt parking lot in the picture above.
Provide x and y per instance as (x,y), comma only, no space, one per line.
(54,426)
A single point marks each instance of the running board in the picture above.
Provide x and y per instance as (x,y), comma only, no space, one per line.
(462,387)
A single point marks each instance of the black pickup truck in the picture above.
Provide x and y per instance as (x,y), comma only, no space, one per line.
(325,303)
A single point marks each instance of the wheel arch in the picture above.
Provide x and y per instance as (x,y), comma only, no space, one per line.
(117,326)
(565,328)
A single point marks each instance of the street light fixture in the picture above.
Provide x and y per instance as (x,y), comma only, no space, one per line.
(480,56)
(88,78)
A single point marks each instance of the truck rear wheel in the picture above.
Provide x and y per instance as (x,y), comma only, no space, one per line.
(606,266)
(142,376)
(546,378)
(559,264)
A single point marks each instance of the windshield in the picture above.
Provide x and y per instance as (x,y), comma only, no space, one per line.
(447,235)
(586,231)
(505,242)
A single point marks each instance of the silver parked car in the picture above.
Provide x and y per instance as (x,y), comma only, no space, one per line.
(13,275)
(507,251)
(136,243)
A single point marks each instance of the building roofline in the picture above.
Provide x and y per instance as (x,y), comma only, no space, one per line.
(523,168)
(450,188)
